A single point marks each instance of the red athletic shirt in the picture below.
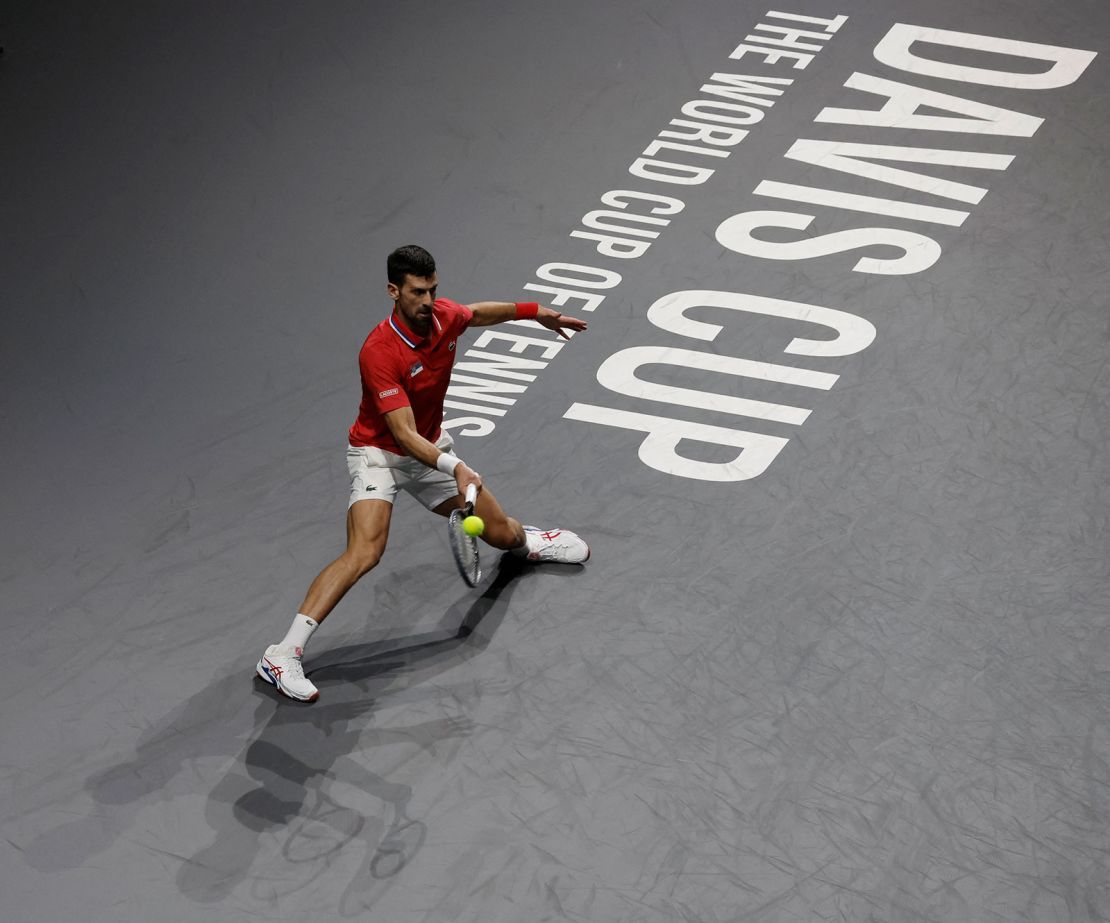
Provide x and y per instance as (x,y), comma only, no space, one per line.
(401,369)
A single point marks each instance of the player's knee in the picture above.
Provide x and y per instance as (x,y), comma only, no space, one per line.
(364,559)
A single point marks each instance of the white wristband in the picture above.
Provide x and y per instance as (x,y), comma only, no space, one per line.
(447,462)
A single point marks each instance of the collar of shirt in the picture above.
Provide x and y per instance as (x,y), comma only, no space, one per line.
(410,339)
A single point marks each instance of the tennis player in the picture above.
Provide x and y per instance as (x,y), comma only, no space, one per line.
(397,444)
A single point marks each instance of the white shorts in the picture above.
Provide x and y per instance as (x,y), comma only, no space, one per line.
(377,475)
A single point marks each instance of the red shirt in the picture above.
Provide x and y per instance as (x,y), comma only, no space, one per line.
(402,369)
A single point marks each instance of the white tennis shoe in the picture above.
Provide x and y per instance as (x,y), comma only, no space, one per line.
(558,545)
(281,667)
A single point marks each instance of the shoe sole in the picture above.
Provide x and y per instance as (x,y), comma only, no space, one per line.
(261,670)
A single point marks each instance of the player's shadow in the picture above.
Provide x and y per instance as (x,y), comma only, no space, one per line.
(365,664)
(282,788)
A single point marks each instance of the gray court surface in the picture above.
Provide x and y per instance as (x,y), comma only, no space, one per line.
(841,652)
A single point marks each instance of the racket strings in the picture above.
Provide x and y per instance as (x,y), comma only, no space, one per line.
(464,547)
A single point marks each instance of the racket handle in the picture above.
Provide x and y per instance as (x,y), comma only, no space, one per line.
(471,494)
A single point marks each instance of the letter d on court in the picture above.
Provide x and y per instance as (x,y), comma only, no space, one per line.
(1067,63)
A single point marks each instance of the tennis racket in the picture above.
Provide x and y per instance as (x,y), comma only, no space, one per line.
(465,547)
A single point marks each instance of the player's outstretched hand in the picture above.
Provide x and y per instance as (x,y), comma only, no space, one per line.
(560,323)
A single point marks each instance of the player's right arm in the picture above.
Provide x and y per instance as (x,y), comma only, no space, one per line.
(402,424)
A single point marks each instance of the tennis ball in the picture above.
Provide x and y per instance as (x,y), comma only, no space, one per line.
(473,525)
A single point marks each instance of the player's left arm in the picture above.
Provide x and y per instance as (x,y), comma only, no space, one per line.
(487,313)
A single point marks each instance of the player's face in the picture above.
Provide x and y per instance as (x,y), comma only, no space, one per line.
(414,300)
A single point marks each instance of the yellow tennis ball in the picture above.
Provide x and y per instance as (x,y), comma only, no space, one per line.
(473,525)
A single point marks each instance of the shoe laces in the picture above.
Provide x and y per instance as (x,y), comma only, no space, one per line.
(296,669)
(290,664)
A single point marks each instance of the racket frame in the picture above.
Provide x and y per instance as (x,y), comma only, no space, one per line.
(472,573)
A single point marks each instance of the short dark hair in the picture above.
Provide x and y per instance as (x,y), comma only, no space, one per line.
(409,260)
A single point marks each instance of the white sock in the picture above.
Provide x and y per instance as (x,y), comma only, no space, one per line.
(299,632)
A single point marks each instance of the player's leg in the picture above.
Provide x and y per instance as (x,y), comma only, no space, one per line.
(439,493)
(502,531)
(372,474)
(507,534)
(367,533)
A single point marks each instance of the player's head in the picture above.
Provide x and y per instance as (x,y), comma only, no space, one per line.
(409,260)
(412,285)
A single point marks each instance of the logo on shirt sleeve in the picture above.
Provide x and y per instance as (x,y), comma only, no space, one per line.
(388,393)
